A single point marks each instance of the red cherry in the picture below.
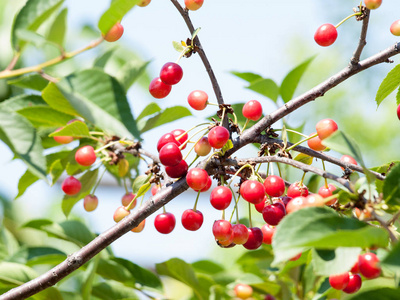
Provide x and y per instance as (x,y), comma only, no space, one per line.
(240,234)
(164,223)
(226,243)
(63,139)
(295,190)
(197,178)
(155,189)
(85,156)
(218,136)
(295,204)
(198,100)
(192,220)
(270,297)
(368,265)
(252,110)
(274,213)
(252,191)
(143,3)
(90,202)
(325,35)
(203,147)
(159,89)
(325,128)
(171,73)
(71,186)
(398,107)
(115,33)
(165,139)
(355,268)
(294,258)
(120,213)
(268,233)
(178,170)
(255,238)
(170,155)
(286,200)
(327,192)
(315,143)
(220,197)
(260,206)
(140,227)
(222,230)
(354,284)
(127,199)
(372,4)
(274,186)
(208,185)
(395,30)
(177,133)
(339,281)
(348,159)
(193,4)
(243,291)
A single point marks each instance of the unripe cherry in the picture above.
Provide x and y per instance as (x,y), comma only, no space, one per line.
(198,100)
(372,4)
(115,33)
(295,204)
(240,234)
(203,147)
(127,199)
(120,213)
(85,156)
(63,139)
(140,227)
(193,4)
(243,291)
(326,192)
(90,202)
(143,3)
(222,230)
(71,186)
(315,143)
(325,128)
(395,30)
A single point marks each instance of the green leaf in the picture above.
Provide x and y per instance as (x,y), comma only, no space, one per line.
(23,140)
(58,29)
(139,182)
(207,267)
(31,16)
(195,33)
(101,100)
(379,293)
(178,46)
(150,109)
(110,269)
(14,273)
(102,60)
(313,183)
(330,262)
(32,37)
(130,72)
(9,245)
(44,116)
(266,87)
(112,290)
(168,115)
(21,101)
(114,14)
(322,228)
(292,79)
(76,129)
(398,97)
(26,180)
(249,77)
(53,97)
(304,158)
(44,255)
(32,81)
(227,146)
(89,276)
(388,85)
(391,186)
(88,180)
(392,260)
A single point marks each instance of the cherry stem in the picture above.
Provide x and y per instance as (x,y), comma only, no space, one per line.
(302,178)
(194,145)
(98,181)
(184,51)
(238,171)
(211,103)
(106,146)
(302,141)
(194,134)
(125,186)
(223,215)
(279,170)
(327,199)
(293,131)
(192,161)
(96,133)
(250,223)
(223,114)
(197,199)
(235,118)
(163,208)
(235,208)
(245,125)
(326,180)
(345,19)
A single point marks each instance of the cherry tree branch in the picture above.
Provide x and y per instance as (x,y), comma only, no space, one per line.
(362,41)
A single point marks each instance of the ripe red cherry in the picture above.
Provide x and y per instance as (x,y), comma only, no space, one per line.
(164,223)
(127,199)
(178,170)
(240,234)
(115,33)
(268,233)
(355,268)
(252,110)
(140,227)
(295,204)
(193,4)
(372,4)
(274,186)
(63,139)
(222,230)
(295,190)
(348,159)
(203,147)
(274,213)
(395,30)
(192,220)
(368,265)
(208,185)
(260,206)
(252,191)
(71,186)
(177,133)
(226,243)
(171,73)
(220,197)
(286,200)
(269,297)
(398,107)
(294,258)
(339,281)
(325,128)
(198,100)
(90,202)
(315,143)
(354,284)
(326,35)
(170,155)
(243,291)
(326,192)
(143,3)
(120,213)
(85,156)
(165,139)
(197,178)
(218,136)
(159,89)
(255,238)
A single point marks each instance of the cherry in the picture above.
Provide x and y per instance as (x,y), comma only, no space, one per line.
(315,143)
(178,170)
(227,243)
(159,89)
(372,4)
(325,35)
(355,268)
(269,297)
(395,30)
(314,200)
(398,107)
(177,133)
(192,219)
(203,147)
(143,3)
(339,281)
(164,223)
(252,110)
(220,197)
(295,204)
(368,265)
(243,291)
(354,284)
(326,192)
(120,213)
(85,156)
(348,159)
(193,4)
(165,139)
(362,214)
(155,189)
(127,199)
(140,227)
(255,238)
(268,233)
(170,155)
(240,234)
(90,202)
(115,33)
(274,213)
(325,128)
(252,191)
(218,136)
(198,100)
(274,186)
(71,186)
(208,185)
(171,73)
(222,230)
(286,200)
(197,178)
(295,190)
(63,139)
(294,258)
(260,206)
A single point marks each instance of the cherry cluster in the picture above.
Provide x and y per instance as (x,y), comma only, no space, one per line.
(170,74)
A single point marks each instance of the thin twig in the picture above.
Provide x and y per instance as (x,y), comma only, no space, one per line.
(13,61)
(383,223)
(362,42)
